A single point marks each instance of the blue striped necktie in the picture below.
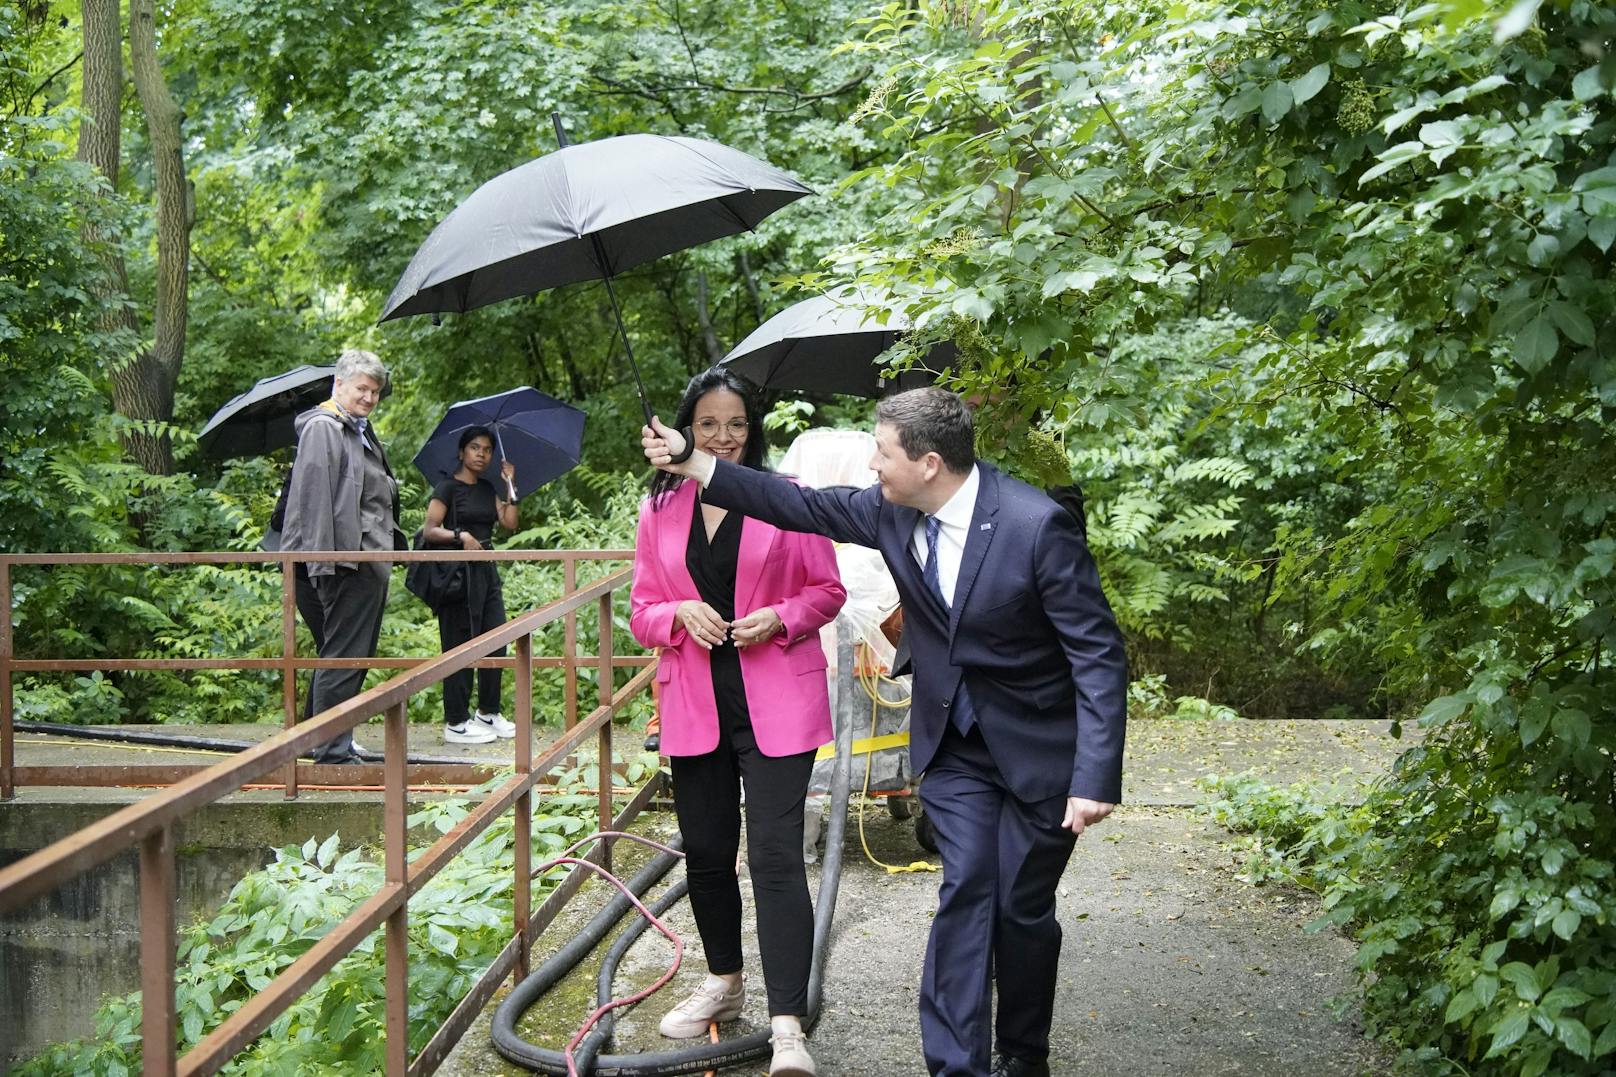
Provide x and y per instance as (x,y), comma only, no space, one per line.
(933,580)
(960,712)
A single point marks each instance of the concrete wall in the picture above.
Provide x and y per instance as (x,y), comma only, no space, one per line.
(66,951)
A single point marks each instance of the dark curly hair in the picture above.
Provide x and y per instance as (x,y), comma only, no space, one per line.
(709,380)
(472,432)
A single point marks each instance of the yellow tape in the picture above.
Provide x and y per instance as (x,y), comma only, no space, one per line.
(867,745)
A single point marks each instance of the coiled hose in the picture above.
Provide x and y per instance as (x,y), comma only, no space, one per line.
(696,1059)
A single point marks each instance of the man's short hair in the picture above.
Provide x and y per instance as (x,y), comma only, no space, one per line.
(932,420)
(356,362)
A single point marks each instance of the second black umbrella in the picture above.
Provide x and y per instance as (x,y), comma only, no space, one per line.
(829,344)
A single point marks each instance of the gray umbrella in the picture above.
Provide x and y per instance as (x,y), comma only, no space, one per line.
(588,212)
(829,344)
(259,420)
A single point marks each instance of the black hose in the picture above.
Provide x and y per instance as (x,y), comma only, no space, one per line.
(205,744)
(695,1059)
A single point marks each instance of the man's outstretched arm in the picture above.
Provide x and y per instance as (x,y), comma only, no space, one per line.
(843,513)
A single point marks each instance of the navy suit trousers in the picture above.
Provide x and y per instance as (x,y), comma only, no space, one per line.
(1002,859)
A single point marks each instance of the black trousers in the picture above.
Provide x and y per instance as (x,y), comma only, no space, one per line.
(308,604)
(351,602)
(707,796)
(458,622)
(995,924)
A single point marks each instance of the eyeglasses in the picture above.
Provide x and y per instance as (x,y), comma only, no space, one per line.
(709,427)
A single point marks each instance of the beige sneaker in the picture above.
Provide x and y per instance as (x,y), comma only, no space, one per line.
(791,1057)
(708,1003)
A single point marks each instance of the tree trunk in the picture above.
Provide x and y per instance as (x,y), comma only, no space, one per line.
(704,319)
(752,289)
(100,136)
(144,388)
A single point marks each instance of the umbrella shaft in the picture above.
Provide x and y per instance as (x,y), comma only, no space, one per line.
(639,385)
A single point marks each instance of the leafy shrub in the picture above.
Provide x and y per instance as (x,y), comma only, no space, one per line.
(1511,978)
(458,923)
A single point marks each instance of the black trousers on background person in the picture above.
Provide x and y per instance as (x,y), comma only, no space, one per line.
(484,608)
(308,604)
(707,797)
(351,602)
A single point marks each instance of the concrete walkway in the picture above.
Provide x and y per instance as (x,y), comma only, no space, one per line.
(1170,966)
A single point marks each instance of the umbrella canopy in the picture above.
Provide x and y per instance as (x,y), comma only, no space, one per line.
(829,344)
(259,420)
(587,212)
(538,433)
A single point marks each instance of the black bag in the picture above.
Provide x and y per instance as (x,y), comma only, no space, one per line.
(437,583)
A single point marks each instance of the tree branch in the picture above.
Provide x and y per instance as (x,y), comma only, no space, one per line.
(1126,141)
(48,80)
(798,97)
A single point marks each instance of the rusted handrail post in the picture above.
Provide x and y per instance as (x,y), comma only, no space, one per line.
(604,767)
(289,662)
(157,896)
(569,648)
(523,853)
(395,815)
(7,751)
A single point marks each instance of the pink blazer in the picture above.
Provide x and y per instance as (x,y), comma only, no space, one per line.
(786,692)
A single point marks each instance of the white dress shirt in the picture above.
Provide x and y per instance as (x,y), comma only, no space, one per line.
(955,518)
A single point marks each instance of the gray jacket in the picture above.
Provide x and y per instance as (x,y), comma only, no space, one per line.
(323,509)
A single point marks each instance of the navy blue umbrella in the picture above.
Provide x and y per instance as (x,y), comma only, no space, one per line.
(538,433)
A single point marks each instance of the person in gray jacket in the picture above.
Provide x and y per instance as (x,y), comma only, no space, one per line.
(344,497)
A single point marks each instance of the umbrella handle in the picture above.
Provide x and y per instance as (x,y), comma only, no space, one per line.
(499,443)
(690,446)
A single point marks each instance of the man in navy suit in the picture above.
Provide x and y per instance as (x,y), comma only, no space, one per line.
(1020,702)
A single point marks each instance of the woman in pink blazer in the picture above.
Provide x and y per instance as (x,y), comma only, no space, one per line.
(736,606)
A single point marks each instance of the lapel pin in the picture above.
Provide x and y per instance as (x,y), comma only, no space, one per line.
(987,527)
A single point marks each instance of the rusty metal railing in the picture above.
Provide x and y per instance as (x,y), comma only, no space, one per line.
(150,825)
(288,663)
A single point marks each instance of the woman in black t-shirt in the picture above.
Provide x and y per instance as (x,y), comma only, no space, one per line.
(462,512)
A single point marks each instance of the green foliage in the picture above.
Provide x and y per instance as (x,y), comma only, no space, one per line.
(789,416)
(458,923)
(1408,209)
(1148,697)
(53,349)
(1514,980)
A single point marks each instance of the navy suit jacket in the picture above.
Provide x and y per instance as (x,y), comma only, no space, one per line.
(1030,631)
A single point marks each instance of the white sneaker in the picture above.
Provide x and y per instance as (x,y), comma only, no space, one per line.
(496,722)
(708,1003)
(791,1057)
(470,731)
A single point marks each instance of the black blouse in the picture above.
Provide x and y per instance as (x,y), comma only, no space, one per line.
(712,566)
(469,506)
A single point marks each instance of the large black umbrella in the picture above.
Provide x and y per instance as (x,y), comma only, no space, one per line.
(259,420)
(588,212)
(829,344)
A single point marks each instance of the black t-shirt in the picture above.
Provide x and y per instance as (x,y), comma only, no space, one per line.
(469,507)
